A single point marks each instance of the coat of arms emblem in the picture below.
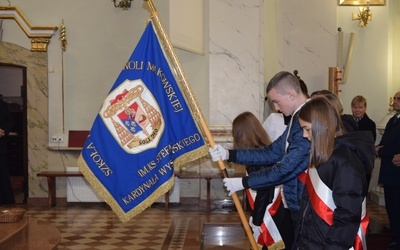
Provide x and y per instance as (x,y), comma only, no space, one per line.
(133,116)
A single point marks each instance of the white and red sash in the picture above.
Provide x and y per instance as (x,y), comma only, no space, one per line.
(322,202)
(269,235)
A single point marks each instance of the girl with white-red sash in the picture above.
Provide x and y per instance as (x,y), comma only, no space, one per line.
(267,218)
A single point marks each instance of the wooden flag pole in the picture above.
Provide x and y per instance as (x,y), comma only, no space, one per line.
(191,98)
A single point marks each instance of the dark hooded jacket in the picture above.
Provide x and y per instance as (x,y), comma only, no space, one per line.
(349,123)
(345,173)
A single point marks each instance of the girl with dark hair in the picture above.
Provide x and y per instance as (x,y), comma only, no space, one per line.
(333,207)
(248,132)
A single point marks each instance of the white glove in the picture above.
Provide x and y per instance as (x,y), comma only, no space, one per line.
(233,185)
(218,152)
(256,229)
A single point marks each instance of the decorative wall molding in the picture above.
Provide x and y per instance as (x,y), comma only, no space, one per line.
(40,35)
(361,2)
(221,134)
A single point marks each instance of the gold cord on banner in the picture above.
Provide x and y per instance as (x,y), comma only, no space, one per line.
(197,112)
(63,39)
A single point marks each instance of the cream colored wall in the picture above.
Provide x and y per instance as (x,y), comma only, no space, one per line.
(376,55)
(100,39)
(394,13)
(270,47)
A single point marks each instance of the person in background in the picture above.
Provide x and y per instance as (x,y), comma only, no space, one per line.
(348,121)
(332,98)
(338,168)
(389,173)
(274,125)
(6,124)
(359,108)
(289,153)
(320,92)
(364,123)
(248,132)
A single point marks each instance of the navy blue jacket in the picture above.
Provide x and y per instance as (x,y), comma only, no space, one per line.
(287,165)
(389,173)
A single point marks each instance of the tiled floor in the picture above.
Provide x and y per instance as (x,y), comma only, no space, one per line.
(95,226)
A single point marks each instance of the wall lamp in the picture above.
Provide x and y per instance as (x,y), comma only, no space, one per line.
(364,15)
(123,4)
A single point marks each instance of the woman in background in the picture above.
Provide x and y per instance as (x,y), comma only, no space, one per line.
(348,121)
(364,123)
(334,201)
(359,109)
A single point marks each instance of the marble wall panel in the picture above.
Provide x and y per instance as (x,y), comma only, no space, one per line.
(235,59)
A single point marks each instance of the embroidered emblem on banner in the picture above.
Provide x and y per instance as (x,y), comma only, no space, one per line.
(133,116)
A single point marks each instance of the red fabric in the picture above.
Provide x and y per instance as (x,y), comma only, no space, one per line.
(319,206)
(303,177)
(326,213)
(265,237)
(358,244)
